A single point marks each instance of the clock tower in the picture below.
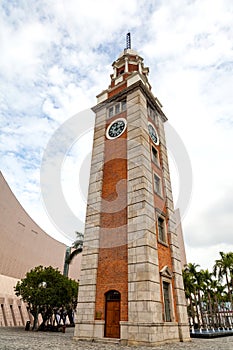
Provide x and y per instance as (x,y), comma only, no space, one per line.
(131,287)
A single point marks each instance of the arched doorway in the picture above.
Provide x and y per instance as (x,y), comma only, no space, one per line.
(112,314)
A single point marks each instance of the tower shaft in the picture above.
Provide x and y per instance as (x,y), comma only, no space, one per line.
(131,285)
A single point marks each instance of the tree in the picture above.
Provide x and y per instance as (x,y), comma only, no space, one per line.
(207,284)
(188,279)
(78,248)
(223,269)
(209,300)
(47,292)
(218,296)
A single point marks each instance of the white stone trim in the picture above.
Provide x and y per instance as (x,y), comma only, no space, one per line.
(134,79)
(118,80)
(102,97)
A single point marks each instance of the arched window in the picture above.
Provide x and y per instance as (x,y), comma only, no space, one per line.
(113,295)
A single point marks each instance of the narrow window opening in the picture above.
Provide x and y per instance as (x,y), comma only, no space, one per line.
(161,230)
(117,108)
(155,156)
(157,184)
(110,112)
(123,105)
(152,113)
(167,301)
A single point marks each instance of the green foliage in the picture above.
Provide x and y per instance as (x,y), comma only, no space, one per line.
(220,279)
(209,294)
(46,291)
(223,269)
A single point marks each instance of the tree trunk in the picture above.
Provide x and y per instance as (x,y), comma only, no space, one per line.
(192,309)
(35,321)
(197,312)
(229,290)
(210,309)
(201,309)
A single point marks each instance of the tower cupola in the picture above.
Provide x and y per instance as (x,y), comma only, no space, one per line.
(129,64)
(127,70)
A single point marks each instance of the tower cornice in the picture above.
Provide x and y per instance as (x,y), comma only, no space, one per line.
(137,85)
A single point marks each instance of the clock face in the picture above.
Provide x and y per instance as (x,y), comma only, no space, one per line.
(116,128)
(153,134)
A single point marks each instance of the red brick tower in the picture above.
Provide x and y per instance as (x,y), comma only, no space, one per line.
(131,285)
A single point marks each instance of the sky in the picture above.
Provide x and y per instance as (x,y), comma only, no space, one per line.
(56,56)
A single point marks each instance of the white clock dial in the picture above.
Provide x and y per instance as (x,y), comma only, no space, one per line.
(153,134)
(116,128)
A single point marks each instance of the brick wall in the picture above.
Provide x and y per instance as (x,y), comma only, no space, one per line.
(113,262)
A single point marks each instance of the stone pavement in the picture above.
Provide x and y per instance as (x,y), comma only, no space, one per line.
(16,338)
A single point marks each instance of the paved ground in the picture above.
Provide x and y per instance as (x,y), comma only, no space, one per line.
(19,339)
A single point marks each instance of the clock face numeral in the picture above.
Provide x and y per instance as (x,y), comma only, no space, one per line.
(116,128)
(153,134)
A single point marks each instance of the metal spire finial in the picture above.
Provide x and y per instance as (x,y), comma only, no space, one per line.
(128,41)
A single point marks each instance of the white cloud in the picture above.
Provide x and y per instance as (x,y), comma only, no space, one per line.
(205,257)
(56,57)
(74,175)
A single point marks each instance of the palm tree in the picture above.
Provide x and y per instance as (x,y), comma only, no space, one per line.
(78,248)
(217,291)
(207,283)
(189,292)
(200,285)
(223,269)
(191,269)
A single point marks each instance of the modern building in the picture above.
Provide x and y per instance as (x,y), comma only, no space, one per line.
(131,286)
(24,245)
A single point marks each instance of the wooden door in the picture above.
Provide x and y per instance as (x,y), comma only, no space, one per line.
(112,321)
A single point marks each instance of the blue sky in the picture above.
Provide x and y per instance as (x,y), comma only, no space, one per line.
(56,57)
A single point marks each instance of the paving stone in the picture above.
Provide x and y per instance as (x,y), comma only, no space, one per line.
(16,338)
